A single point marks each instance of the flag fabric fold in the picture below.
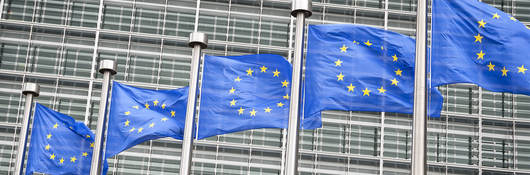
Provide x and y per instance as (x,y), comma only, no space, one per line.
(473,42)
(360,68)
(59,144)
(137,115)
(244,92)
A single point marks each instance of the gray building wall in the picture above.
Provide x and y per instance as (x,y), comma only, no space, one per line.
(58,43)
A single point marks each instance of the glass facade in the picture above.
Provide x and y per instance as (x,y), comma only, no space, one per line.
(58,43)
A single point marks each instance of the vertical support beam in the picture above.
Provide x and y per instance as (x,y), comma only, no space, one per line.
(107,68)
(301,9)
(419,140)
(198,41)
(30,90)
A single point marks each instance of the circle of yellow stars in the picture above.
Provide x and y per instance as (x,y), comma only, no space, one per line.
(250,73)
(480,55)
(147,106)
(60,161)
(366,92)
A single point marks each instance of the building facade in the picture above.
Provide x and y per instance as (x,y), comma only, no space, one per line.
(58,43)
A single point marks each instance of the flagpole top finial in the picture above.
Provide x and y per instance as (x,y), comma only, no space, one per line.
(198,38)
(303,6)
(107,65)
(31,88)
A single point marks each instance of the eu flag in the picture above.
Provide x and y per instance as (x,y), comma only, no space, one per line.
(477,43)
(137,115)
(59,144)
(359,68)
(244,92)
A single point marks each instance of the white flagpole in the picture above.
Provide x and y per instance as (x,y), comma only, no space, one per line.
(300,9)
(198,41)
(30,90)
(107,68)
(419,130)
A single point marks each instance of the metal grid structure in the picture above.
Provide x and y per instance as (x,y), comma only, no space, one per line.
(57,43)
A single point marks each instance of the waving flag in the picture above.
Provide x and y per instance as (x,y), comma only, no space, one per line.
(138,115)
(59,144)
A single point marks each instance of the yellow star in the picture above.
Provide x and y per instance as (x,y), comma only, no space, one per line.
(478,38)
(52,157)
(398,72)
(351,88)
(132,129)
(395,82)
(232,90)
(49,136)
(263,69)
(164,119)
(155,102)
(527,27)
(47,147)
(286,96)
(85,154)
(276,73)
(491,67)
(241,110)
(268,109)
(285,83)
(482,24)
(237,79)
(92,145)
(338,63)
(87,136)
(136,107)
(73,159)
(164,106)
(513,19)
(249,72)
(127,123)
(140,130)
(382,48)
(343,48)
(395,58)
(368,43)
(480,55)
(496,16)
(233,102)
(355,42)
(253,112)
(55,126)
(340,77)
(366,92)
(146,105)
(128,112)
(61,161)
(152,125)
(382,90)
(504,71)
(279,104)
(522,69)
(172,113)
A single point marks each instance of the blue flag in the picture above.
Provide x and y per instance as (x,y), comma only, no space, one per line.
(137,115)
(59,144)
(244,92)
(477,43)
(359,68)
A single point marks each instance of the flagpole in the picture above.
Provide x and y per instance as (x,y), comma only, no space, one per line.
(30,90)
(300,9)
(419,143)
(107,68)
(198,41)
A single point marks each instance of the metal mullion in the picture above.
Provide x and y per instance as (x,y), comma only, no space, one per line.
(480,134)
(446,129)
(382,132)
(514,102)
(23,81)
(131,29)
(228,26)
(94,62)
(350,115)
(61,58)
